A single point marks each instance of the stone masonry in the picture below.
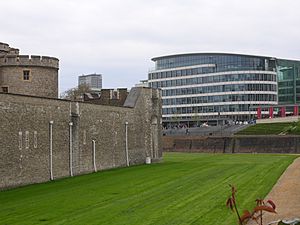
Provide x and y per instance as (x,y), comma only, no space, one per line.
(233,144)
(31,128)
(28,75)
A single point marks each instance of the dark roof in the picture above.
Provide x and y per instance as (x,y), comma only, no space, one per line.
(206,53)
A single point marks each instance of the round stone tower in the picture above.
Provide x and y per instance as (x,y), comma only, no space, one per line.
(28,75)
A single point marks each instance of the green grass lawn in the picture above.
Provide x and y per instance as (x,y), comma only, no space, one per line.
(184,189)
(272,128)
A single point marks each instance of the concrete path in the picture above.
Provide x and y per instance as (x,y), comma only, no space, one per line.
(286,195)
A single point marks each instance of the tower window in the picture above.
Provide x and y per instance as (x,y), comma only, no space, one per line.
(26,74)
(5,89)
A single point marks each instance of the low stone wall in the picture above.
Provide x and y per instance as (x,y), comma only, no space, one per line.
(232,144)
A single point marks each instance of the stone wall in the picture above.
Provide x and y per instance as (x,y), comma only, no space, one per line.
(233,144)
(6,50)
(25,136)
(43,81)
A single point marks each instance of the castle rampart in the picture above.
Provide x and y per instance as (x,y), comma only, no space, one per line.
(43,139)
(26,60)
(28,75)
(4,48)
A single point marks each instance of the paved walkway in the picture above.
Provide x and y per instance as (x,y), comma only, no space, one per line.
(286,195)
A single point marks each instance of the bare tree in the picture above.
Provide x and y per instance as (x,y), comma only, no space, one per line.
(76,93)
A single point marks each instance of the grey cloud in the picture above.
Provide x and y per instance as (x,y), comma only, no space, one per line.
(119,37)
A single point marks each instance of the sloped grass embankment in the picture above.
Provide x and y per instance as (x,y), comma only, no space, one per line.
(272,129)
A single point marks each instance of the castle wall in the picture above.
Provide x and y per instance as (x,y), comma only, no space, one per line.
(43,73)
(43,81)
(24,154)
(25,136)
(4,48)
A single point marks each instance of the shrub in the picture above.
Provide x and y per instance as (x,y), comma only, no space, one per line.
(257,213)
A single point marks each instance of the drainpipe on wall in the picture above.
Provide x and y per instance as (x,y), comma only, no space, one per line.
(50,149)
(94,155)
(126,143)
(71,148)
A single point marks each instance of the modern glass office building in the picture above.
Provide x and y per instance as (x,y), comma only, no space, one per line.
(203,86)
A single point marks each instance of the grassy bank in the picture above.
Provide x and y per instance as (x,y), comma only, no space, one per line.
(184,189)
(272,128)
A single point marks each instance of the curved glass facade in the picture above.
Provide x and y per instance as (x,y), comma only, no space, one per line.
(214,85)
(209,79)
(223,61)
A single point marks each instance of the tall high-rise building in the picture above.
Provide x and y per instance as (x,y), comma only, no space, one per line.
(94,81)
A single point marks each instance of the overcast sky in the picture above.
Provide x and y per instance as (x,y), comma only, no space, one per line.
(118,38)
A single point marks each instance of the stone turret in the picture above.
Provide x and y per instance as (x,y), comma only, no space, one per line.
(6,50)
(28,75)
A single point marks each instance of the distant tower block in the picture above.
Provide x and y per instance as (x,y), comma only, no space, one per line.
(94,81)
(28,75)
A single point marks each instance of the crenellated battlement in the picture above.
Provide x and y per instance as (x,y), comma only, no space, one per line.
(4,48)
(13,51)
(26,60)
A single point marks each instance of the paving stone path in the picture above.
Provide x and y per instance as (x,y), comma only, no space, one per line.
(286,195)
